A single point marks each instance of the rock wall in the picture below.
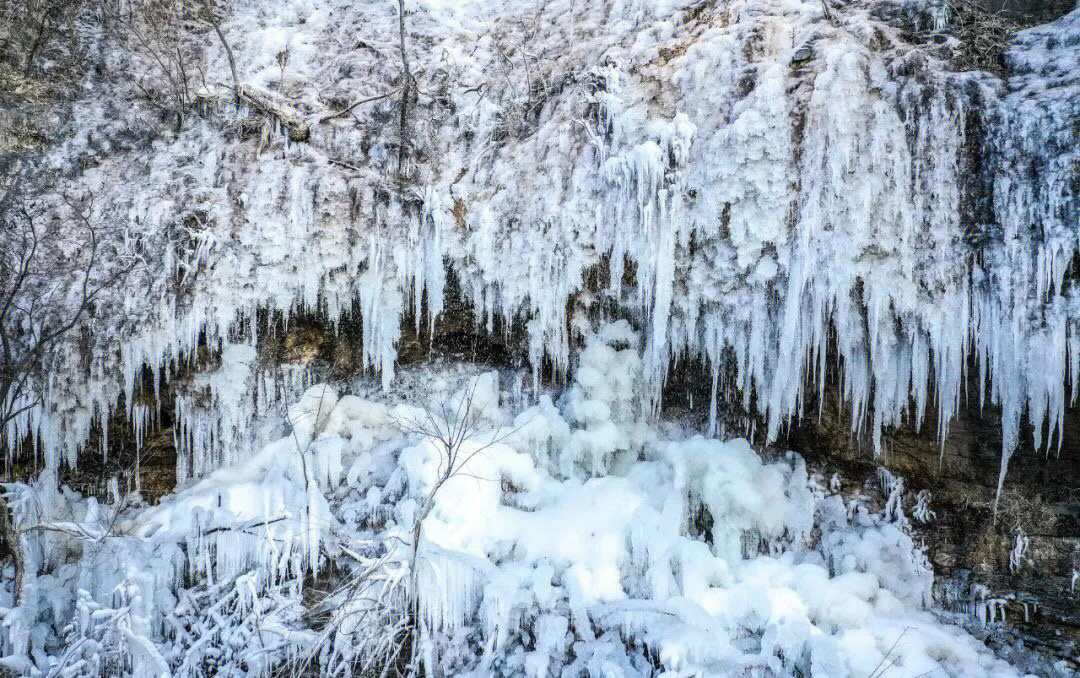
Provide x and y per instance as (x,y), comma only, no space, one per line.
(1030,596)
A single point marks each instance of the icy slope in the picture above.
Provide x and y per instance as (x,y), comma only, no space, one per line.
(573,538)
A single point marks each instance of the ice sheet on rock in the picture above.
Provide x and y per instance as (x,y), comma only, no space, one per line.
(760,215)
(781,215)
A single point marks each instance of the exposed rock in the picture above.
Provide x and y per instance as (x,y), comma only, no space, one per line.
(803,54)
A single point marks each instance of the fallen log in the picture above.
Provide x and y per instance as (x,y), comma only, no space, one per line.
(276,106)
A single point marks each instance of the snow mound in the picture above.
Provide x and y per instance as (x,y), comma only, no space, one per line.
(571,539)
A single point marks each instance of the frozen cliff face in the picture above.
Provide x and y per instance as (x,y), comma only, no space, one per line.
(1030,307)
(767,190)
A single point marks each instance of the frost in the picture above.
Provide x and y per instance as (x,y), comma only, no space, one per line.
(893,487)
(922,511)
(775,220)
(770,219)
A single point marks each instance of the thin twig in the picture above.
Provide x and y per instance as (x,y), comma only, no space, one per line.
(344,111)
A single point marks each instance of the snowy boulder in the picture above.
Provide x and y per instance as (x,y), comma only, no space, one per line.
(482,395)
(360,421)
(309,415)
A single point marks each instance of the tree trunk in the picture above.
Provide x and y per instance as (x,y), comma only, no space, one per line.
(10,537)
(275,105)
(406,90)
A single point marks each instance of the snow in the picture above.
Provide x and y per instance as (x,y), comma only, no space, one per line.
(541,556)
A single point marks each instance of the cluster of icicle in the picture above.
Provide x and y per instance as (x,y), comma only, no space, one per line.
(781,215)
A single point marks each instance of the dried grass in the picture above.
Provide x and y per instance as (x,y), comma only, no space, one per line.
(983,35)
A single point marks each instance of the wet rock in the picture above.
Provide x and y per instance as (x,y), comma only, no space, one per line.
(802,55)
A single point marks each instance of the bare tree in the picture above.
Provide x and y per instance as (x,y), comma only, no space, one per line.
(213,21)
(32,28)
(448,426)
(163,35)
(51,275)
(454,427)
(379,600)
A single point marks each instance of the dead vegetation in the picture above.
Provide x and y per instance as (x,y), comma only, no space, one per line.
(50,49)
(42,56)
(37,39)
(983,36)
(165,40)
(969,35)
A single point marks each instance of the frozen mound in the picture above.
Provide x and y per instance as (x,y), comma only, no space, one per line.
(567,539)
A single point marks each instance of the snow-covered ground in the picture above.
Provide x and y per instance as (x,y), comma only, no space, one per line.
(571,538)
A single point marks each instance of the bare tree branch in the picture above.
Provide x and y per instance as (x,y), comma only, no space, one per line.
(350,107)
(51,275)
(224,43)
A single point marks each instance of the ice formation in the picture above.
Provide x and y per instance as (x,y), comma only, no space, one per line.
(756,187)
(579,539)
(767,191)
